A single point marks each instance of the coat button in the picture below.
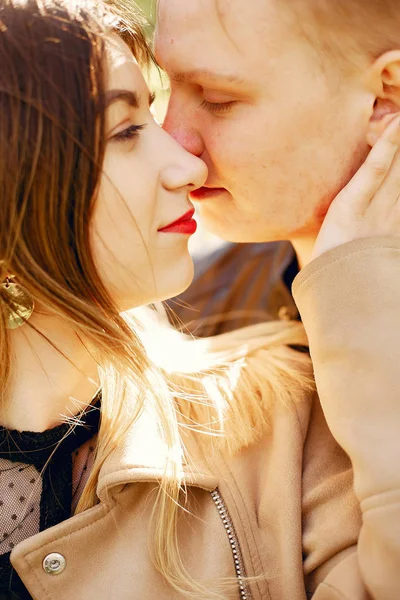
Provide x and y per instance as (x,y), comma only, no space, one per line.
(284,314)
(54,563)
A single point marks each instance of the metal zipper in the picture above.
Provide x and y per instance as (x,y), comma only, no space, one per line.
(234,543)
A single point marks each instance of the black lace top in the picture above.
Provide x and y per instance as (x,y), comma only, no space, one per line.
(41,478)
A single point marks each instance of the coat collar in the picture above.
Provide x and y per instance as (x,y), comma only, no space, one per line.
(141,457)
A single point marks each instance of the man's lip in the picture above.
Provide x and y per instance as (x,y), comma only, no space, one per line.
(206,192)
(186,217)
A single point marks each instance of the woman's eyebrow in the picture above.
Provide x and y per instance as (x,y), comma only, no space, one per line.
(130,98)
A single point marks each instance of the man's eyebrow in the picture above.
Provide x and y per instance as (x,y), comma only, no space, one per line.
(130,98)
(204,75)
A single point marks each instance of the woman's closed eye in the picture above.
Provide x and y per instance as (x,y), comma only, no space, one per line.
(129,133)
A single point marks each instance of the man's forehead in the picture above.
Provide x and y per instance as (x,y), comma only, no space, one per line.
(219,27)
(177,21)
(219,9)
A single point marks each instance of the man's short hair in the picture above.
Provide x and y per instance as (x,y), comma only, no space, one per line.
(347,27)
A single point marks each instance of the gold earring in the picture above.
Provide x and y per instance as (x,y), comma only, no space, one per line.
(19,305)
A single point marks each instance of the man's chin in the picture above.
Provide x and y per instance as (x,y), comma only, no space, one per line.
(236,230)
(220,216)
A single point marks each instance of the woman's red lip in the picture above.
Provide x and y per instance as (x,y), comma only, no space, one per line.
(185,224)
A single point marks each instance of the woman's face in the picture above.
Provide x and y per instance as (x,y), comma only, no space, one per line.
(144,188)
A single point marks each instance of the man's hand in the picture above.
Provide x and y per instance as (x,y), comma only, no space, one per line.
(369,205)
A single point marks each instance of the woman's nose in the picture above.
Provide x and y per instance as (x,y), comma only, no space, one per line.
(183,170)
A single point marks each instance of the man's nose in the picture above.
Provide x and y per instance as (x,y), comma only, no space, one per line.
(182,128)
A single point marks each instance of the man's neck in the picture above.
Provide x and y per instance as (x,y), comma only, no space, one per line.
(303,247)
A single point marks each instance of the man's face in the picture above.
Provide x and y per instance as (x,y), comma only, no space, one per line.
(280,131)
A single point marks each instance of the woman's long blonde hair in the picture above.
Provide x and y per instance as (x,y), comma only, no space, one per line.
(52,102)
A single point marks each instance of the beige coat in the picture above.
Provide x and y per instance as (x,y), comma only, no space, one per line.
(284,507)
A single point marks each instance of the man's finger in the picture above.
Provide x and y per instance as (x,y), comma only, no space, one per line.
(371,176)
(389,191)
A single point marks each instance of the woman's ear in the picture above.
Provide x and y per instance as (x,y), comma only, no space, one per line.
(386,83)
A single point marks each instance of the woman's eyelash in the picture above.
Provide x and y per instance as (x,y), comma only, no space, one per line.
(129,133)
(220,107)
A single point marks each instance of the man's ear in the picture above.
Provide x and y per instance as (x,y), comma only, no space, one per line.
(386,84)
